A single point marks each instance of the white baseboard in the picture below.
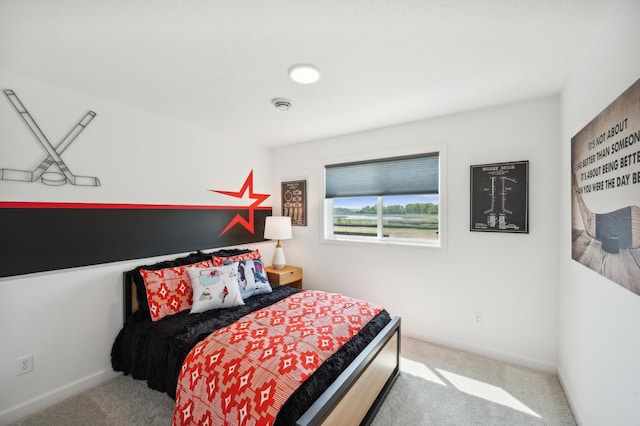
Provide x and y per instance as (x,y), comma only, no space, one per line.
(40,402)
(534,364)
(568,396)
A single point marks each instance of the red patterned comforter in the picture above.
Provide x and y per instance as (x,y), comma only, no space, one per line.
(242,374)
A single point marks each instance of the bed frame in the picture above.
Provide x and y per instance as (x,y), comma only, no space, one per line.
(357,394)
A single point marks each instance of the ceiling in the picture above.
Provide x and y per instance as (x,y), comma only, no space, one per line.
(217,64)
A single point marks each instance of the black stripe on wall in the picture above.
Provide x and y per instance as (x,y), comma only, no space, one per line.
(45,239)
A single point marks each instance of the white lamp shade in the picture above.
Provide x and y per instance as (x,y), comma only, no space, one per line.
(277,228)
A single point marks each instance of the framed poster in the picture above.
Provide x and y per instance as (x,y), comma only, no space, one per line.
(500,197)
(294,201)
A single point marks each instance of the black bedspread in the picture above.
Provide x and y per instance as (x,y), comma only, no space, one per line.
(154,351)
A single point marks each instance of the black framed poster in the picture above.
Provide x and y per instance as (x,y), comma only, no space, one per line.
(294,201)
(500,197)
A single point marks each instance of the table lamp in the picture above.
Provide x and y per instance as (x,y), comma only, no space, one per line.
(278,228)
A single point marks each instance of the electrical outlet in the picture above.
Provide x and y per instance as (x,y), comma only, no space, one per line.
(478,317)
(24,364)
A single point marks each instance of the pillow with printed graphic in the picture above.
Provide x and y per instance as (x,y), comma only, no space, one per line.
(215,288)
(252,278)
(169,290)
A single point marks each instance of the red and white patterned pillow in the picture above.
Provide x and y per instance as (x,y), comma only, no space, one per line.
(219,261)
(169,290)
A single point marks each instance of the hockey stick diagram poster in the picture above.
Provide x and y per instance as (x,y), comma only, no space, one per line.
(605,189)
(500,197)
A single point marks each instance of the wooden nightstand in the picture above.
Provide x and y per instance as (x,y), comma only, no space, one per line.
(289,275)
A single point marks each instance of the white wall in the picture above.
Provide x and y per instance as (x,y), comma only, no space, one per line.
(510,278)
(599,343)
(69,319)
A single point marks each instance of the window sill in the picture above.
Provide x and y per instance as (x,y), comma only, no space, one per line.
(382,243)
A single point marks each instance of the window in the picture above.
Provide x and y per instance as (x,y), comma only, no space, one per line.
(390,199)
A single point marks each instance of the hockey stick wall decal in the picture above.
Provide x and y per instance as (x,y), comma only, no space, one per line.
(40,172)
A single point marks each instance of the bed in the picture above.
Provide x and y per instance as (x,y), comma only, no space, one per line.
(347,387)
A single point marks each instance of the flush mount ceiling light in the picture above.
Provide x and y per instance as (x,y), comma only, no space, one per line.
(304,73)
(283,104)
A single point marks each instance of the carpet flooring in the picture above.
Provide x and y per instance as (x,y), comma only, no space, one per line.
(437,386)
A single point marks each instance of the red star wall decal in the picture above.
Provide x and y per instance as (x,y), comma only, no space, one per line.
(259,198)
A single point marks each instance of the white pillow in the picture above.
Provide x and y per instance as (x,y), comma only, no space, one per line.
(215,288)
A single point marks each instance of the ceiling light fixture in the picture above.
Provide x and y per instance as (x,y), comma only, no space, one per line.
(283,104)
(304,73)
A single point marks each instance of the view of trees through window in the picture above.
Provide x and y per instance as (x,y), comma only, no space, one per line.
(402,217)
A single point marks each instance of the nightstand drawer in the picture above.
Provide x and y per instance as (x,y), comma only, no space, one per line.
(289,275)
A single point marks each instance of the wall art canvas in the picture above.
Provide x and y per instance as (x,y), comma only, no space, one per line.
(500,197)
(605,192)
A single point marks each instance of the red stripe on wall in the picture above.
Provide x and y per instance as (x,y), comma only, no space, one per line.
(106,206)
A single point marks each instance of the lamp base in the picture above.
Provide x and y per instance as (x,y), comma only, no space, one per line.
(278,261)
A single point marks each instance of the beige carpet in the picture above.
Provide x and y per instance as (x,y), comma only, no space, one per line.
(437,386)
(440,386)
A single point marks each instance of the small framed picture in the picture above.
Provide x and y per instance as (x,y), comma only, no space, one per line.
(294,201)
(500,197)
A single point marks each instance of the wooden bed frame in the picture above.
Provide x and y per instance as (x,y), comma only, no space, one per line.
(357,394)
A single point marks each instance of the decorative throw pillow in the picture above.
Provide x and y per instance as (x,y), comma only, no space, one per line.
(215,288)
(169,290)
(252,278)
(219,261)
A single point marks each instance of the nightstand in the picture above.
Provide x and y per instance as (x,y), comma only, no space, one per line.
(289,275)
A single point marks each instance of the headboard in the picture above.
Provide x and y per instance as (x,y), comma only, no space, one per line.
(135,296)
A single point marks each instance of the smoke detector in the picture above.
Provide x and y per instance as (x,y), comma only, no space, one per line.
(282,104)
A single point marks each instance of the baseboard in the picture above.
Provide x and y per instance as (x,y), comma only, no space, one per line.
(534,364)
(33,405)
(568,396)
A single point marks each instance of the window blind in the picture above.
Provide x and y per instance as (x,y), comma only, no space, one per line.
(415,174)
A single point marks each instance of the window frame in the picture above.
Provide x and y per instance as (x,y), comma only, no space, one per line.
(326,230)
